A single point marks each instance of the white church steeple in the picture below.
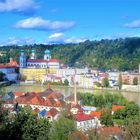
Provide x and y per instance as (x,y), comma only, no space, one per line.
(47,55)
(33,54)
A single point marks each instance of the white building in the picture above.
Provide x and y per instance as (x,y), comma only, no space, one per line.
(85,122)
(113,76)
(70,71)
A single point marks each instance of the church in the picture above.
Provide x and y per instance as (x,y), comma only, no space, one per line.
(34,69)
(33,62)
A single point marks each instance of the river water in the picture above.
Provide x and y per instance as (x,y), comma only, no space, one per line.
(131,96)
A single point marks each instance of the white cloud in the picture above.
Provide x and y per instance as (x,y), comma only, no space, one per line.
(17,41)
(133,24)
(38,23)
(21,6)
(56,35)
(61,38)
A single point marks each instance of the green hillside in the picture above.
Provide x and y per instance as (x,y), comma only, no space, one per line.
(122,54)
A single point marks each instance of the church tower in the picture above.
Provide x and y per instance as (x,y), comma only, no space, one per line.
(47,55)
(22,59)
(33,54)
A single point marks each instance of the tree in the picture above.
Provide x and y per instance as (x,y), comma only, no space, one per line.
(132,129)
(120,81)
(25,125)
(77,135)
(66,82)
(129,111)
(3,115)
(61,129)
(2,76)
(105,82)
(135,81)
(106,118)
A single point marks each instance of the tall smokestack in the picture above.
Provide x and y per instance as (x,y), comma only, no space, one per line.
(75,91)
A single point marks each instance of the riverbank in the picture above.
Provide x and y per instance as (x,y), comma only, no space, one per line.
(125,88)
(5,83)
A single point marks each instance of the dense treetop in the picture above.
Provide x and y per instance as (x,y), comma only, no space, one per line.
(122,54)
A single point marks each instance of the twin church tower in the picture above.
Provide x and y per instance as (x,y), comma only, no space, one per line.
(33,62)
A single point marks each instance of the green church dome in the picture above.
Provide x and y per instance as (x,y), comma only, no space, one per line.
(33,51)
(47,52)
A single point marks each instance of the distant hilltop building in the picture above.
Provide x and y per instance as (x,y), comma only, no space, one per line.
(33,62)
(34,69)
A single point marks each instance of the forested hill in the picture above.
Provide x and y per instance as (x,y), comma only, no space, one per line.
(122,54)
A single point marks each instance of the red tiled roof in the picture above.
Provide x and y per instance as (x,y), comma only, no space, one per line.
(52,112)
(6,66)
(36,100)
(48,102)
(17,93)
(116,107)
(13,63)
(80,116)
(51,98)
(53,60)
(46,93)
(95,114)
(37,60)
(42,60)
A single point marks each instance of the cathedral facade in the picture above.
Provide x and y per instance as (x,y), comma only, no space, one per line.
(33,62)
(34,69)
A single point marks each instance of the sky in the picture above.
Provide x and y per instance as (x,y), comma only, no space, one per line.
(67,21)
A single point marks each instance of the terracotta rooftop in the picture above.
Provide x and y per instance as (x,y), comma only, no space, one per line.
(95,114)
(52,112)
(116,107)
(46,92)
(80,116)
(13,63)
(18,93)
(6,66)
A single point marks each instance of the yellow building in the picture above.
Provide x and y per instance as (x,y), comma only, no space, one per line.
(52,71)
(34,74)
